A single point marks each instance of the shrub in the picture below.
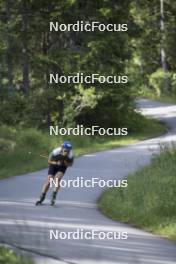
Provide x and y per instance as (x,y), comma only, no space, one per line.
(158,79)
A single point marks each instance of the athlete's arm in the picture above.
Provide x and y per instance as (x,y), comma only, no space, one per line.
(69,160)
(68,163)
(52,161)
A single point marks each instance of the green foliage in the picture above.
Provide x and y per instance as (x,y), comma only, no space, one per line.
(157,81)
(29,53)
(149,201)
(66,53)
(13,110)
(153,48)
(7,256)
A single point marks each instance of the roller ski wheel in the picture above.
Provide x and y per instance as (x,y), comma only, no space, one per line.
(42,198)
(53,201)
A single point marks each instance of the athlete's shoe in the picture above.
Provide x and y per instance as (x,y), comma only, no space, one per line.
(42,198)
(53,198)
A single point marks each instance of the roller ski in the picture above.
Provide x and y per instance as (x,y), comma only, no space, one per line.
(41,199)
(53,199)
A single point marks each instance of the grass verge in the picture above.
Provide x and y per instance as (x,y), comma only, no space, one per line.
(15,145)
(149,201)
(7,256)
(151,95)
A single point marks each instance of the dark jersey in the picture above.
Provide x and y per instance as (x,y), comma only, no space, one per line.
(56,155)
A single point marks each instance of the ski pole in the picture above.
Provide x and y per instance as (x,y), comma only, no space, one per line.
(40,155)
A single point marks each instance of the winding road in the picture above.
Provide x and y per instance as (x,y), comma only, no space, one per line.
(28,227)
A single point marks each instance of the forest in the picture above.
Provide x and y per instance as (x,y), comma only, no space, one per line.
(30,52)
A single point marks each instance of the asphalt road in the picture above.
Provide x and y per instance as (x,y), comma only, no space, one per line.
(26,226)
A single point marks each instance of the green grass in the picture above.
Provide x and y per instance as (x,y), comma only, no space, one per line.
(149,201)
(7,256)
(15,144)
(150,94)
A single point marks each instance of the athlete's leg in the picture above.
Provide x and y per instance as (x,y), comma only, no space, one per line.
(46,185)
(45,188)
(58,178)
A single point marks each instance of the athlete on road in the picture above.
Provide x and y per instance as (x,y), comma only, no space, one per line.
(59,159)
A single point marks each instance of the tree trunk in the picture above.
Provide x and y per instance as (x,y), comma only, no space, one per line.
(0,79)
(25,58)
(163,52)
(9,48)
(45,47)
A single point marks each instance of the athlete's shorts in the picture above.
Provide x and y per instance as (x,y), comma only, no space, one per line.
(53,169)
